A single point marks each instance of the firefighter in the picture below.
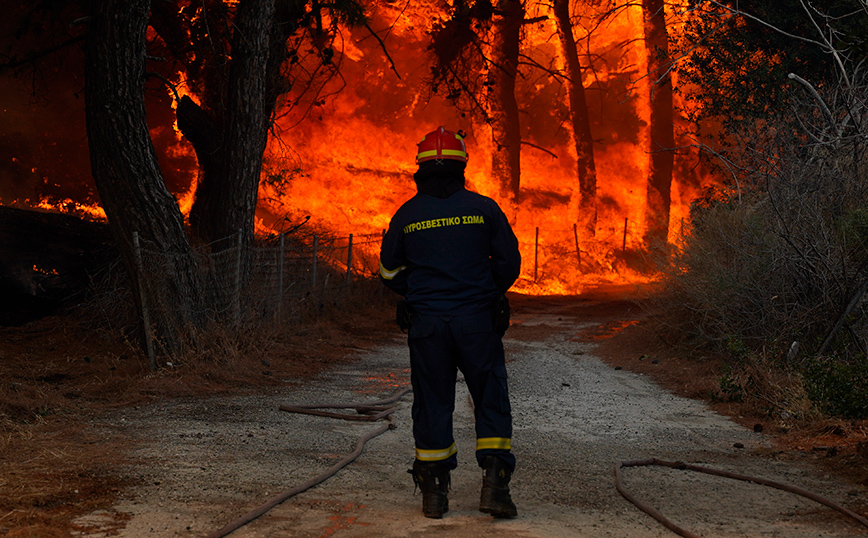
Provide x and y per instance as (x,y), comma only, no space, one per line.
(452,255)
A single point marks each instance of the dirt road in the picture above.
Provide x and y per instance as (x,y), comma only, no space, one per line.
(205,462)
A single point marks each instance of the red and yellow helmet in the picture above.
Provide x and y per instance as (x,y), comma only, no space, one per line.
(442,144)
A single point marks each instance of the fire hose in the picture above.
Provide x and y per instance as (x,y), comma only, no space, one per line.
(685,466)
(375,411)
(369,412)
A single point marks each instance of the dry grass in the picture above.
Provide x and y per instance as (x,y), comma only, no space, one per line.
(58,372)
(774,402)
(53,471)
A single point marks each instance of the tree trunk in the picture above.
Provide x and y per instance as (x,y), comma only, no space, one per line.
(284,24)
(506,134)
(585,168)
(661,139)
(126,172)
(227,193)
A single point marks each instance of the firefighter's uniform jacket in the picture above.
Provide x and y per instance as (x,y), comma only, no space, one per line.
(451,258)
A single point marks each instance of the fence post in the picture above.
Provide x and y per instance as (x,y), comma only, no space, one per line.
(350,260)
(146,316)
(536,254)
(280,279)
(236,314)
(313,268)
(382,285)
(624,243)
(578,252)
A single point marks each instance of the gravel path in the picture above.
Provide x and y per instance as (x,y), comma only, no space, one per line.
(205,462)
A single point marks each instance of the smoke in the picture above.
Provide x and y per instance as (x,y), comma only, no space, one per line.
(43,144)
(43,148)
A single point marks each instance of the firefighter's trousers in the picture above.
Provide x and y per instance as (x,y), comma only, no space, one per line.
(440,346)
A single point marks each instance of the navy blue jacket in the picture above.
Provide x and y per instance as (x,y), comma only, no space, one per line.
(450,256)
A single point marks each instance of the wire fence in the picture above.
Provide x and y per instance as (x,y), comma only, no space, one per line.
(282,277)
(278,279)
(562,258)
(283,270)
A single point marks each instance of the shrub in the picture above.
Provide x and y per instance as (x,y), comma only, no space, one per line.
(780,253)
(839,386)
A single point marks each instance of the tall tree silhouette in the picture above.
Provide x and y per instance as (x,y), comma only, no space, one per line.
(586,169)
(476,63)
(660,139)
(125,168)
(238,61)
(503,108)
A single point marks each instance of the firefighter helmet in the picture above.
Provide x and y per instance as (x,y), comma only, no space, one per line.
(442,144)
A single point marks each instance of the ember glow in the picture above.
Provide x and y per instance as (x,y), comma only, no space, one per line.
(90,211)
(345,156)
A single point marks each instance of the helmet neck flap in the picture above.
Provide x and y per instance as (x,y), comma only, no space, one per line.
(440,179)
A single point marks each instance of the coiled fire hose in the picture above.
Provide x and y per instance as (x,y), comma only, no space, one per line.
(369,412)
(374,411)
(685,466)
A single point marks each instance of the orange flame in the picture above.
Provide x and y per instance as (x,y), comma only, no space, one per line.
(347,160)
(93,212)
(358,161)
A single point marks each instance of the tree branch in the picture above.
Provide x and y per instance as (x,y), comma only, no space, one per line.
(167,82)
(383,46)
(829,45)
(526,143)
(816,96)
(533,63)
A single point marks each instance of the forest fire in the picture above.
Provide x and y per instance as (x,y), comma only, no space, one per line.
(355,166)
(343,154)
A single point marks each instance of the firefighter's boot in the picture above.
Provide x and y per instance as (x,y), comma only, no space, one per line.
(433,481)
(495,499)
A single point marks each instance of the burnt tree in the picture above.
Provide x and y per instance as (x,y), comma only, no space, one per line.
(238,61)
(661,139)
(482,38)
(227,65)
(125,170)
(503,107)
(586,169)
(227,192)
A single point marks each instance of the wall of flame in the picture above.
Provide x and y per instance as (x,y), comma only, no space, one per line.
(347,160)
(349,165)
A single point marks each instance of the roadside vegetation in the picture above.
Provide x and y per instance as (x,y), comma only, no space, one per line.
(61,371)
(774,271)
